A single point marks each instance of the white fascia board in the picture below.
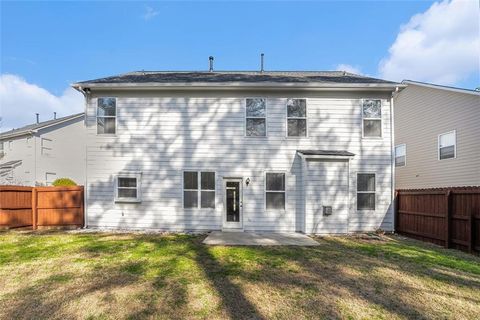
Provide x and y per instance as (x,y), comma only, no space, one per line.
(440,87)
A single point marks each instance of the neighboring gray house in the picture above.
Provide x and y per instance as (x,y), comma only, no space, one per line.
(39,153)
(245,151)
(437,136)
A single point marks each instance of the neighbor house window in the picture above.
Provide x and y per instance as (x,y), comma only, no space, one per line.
(198,189)
(128,187)
(275,190)
(447,145)
(400,155)
(256,117)
(296,117)
(372,118)
(366,191)
(2,151)
(106,115)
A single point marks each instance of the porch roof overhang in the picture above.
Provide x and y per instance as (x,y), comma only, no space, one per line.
(325,154)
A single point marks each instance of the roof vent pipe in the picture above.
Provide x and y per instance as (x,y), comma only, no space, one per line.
(210,59)
(38,117)
(261,62)
(54,115)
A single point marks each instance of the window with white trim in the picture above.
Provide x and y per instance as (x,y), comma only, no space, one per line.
(275,190)
(296,117)
(372,118)
(256,117)
(366,191)
(2,151)
(128,187)
(447,145)
(400,155)
(198,185)
(106,115)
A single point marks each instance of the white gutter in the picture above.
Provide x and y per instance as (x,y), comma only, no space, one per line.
(392,154)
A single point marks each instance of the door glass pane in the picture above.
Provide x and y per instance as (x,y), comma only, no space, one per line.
(275,200)
(256,127)
(297,108)
(190,180)
(233,201)
(372,128)
(208,199)
(208,180)
(275,181)
(366,182)
(256,107)
(297,127)
(365,201)
(190,199)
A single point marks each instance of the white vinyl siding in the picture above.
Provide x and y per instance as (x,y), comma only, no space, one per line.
(162,134)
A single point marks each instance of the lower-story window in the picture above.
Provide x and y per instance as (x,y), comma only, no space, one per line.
(366,191)
(275,191)
(198,189)
(128,187)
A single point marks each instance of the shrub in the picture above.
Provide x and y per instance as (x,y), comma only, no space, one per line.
(63,182)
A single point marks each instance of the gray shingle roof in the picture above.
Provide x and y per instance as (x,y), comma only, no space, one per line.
(35,126)
(342,153)
(247,77)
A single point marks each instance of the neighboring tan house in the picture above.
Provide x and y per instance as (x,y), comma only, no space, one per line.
(437,136)
(39,153)
(245,151)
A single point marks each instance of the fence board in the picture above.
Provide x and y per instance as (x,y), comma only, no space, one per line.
(15,206)
(449,216)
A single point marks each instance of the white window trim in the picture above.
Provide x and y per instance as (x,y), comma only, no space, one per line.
(116,117)
(138,176)
(199,189)
(276,191)
(381,119)
(455,145)
(395,163)
(245,117)
(296,118)
(357,192)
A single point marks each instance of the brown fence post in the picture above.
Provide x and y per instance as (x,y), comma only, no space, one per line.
(470,228)
(34,208)
(448,204)
(397,205)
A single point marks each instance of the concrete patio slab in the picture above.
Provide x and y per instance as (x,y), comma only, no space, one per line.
(258,239)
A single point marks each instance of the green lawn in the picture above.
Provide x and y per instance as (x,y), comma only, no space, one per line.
(115,276)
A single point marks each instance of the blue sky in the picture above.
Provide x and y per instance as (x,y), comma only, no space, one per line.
(52,44)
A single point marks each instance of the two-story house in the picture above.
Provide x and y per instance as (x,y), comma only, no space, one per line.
(41,152)
(437,136)
(252,151)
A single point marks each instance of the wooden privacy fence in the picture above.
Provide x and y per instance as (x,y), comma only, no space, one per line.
(449,216)
(41,207)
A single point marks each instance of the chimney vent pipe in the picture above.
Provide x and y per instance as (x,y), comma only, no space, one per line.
(210,59)
(261,62)
(38,117)
(54,115)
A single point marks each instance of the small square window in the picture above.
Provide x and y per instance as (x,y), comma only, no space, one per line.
(400,155)
(128,187)
(198,185)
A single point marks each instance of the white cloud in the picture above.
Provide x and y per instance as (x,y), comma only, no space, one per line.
(20,100)
(441,45)
(150,13)
(348,68)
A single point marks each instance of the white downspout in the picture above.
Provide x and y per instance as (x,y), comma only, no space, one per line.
(392,143)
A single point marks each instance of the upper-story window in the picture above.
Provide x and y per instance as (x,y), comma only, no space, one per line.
(256,117)
(296,117)
(447,145)
(106,115)
(372,118)
(400,155)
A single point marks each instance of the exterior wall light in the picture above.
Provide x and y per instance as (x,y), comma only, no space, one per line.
(247,182)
